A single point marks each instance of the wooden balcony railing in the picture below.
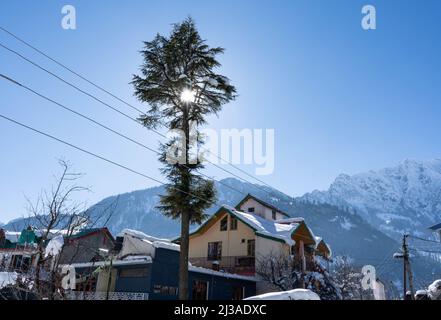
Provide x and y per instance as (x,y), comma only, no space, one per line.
(233,264)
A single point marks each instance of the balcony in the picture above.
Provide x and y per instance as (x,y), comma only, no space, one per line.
(244,265)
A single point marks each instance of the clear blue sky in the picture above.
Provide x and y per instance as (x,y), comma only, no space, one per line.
(342,99)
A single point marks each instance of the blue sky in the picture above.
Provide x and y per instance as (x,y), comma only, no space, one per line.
(341,99)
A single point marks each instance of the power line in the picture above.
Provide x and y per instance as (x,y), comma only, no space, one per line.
(114,109)
(104,126)
(119,99)
(428,251)
(103,158)
(423,239)
(68,69)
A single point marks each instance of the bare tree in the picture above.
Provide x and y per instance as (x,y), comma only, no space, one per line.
(279,270)
(348,278)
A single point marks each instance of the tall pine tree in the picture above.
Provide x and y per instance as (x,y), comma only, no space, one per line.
(178,80)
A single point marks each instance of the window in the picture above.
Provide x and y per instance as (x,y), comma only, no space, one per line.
(200,290)
(233,223)
(16,261)
(251,249)
(133,273)
(251,209)
(214,251)
(274,215)
(224,224)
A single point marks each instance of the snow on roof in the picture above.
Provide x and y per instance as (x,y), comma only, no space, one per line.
(135,257)
(54,246)
(12,235)
(421,293)
(220,273)
(155,242)
(291,220)
(434,290)
(166,245)
(296,294)
(266,227)
(140,235)
(133,260)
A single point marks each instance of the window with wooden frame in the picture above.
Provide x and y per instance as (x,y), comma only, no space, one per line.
(214,251)
(224,224)
(251,248)
(233,223)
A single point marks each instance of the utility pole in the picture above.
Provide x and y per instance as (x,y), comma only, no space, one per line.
(406,268)
(109,279)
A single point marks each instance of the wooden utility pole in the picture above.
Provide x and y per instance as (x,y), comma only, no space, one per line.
(406,268)
(404,247)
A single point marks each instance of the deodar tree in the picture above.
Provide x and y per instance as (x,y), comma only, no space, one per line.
(178,80)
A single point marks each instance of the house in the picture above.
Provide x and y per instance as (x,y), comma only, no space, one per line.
(145,267)
(85,245)
(18,251)
(235,241)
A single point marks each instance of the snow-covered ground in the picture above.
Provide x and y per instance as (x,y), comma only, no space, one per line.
(296,294)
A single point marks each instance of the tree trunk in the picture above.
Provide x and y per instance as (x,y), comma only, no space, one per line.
(185,215)
(183,257)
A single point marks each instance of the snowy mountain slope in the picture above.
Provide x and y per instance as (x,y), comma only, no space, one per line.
(346,232)
(405,198)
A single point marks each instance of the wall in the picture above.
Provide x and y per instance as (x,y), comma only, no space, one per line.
(231,240)
(260,210)
(267,247)
(84,249)
(134,284)
(221,288)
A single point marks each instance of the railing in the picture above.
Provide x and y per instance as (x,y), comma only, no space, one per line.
(231,264)
(81,295)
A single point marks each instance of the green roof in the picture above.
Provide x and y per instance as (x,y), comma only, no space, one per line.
(27,236)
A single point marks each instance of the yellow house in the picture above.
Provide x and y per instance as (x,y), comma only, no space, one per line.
(233,241)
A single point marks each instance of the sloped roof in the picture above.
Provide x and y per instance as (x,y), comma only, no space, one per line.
(266,204)
(88,232)
(319,240)
(262,227)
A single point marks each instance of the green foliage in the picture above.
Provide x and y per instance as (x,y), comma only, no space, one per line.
(174,64)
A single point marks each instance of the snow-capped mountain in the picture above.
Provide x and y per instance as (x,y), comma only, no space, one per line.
(346,232)
(405,198)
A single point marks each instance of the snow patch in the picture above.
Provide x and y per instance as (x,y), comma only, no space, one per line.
(296,294)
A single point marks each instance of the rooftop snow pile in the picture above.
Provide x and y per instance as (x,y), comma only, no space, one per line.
(296,294)
(434,290)
(54,246)
(137,242)
(266,227)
